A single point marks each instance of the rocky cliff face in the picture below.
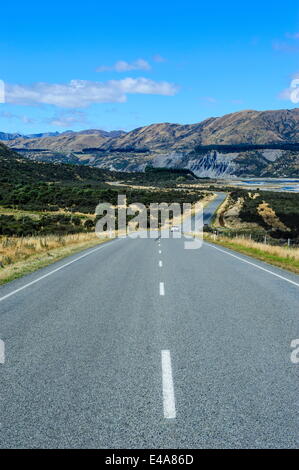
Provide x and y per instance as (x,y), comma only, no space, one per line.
(210,163)
(268,135)
(217,164)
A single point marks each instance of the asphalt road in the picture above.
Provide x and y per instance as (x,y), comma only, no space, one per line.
(144,344)
(211,208)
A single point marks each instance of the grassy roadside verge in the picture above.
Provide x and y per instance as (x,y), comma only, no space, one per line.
(283,257)
(29,255)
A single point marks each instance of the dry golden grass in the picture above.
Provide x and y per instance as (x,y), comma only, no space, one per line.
(269,216)
(19,213)
(19,256)
(282,256)
(14,249)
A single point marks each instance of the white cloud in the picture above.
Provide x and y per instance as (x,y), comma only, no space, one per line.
(209,99)
(144,86)
(290,46)
(65,120)
(292,92)
(292,35)
(82,93)
(24,119)
(27,120)
(123,66)
(282,46)
(158,58)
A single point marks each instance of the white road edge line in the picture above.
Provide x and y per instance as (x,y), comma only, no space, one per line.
(253,264)
(52,272)
(160,264)
(167,386)
(162,290)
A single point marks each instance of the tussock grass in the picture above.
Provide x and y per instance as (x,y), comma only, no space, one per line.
(283,257)
(35,214)
(22,255)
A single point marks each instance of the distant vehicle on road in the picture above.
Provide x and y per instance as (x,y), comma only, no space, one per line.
(175,228)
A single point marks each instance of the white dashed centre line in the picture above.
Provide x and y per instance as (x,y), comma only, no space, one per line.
(167,386)
(160,264)
(162,290)
(160,252)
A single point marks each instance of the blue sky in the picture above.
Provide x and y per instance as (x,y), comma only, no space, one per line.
(121,65)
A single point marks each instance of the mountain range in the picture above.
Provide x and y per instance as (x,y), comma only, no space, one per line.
(247,143)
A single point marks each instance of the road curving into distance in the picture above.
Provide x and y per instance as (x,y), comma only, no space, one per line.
(144,344)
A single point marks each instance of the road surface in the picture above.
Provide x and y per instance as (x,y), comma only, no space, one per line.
(210,210)
(144,344)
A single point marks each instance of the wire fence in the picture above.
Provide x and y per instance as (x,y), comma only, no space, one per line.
(257,237)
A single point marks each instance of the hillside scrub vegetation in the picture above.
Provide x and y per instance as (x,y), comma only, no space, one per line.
(58,192)
(275,212)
